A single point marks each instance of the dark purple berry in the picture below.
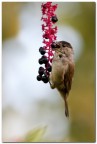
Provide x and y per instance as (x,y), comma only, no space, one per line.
(40,61)
(45,79)
(49,68)
(42,50)
(41,68)
(53,45)
(45,60)
(39,78)
(41,71)
(54,19)
(46,36)
(44,6)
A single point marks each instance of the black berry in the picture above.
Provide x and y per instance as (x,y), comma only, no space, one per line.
(39,78)
(46,36)
(42,50)
(41,71)
(45,60)
(49,68)
(41,68)
(54,19)
(44,6)
(53,45)
(40,61)
(45,79)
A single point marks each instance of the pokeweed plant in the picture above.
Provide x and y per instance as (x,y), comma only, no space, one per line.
(49,29)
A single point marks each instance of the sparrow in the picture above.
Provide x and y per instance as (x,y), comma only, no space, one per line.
(62,70)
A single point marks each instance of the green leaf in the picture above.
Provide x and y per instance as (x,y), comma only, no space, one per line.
(35,135)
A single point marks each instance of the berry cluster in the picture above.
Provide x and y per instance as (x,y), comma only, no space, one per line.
(49,36)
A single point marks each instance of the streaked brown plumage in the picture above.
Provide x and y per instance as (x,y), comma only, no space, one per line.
(62,70)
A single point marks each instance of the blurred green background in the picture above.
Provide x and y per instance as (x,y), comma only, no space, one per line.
(82,103)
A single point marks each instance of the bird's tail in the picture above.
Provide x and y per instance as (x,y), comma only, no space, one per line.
(66,104)
(66,108)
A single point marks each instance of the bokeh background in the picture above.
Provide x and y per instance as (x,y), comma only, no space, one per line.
(81,17)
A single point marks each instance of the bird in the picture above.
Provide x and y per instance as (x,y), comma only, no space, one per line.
(63,67)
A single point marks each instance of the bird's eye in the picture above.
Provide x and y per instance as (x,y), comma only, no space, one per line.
(60,55)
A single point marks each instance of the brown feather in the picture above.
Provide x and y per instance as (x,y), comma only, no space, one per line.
(68,78)
(62,70)
(68,82)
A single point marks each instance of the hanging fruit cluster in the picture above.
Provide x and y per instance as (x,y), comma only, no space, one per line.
(49,36)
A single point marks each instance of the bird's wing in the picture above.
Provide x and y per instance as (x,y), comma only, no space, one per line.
(68,78)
